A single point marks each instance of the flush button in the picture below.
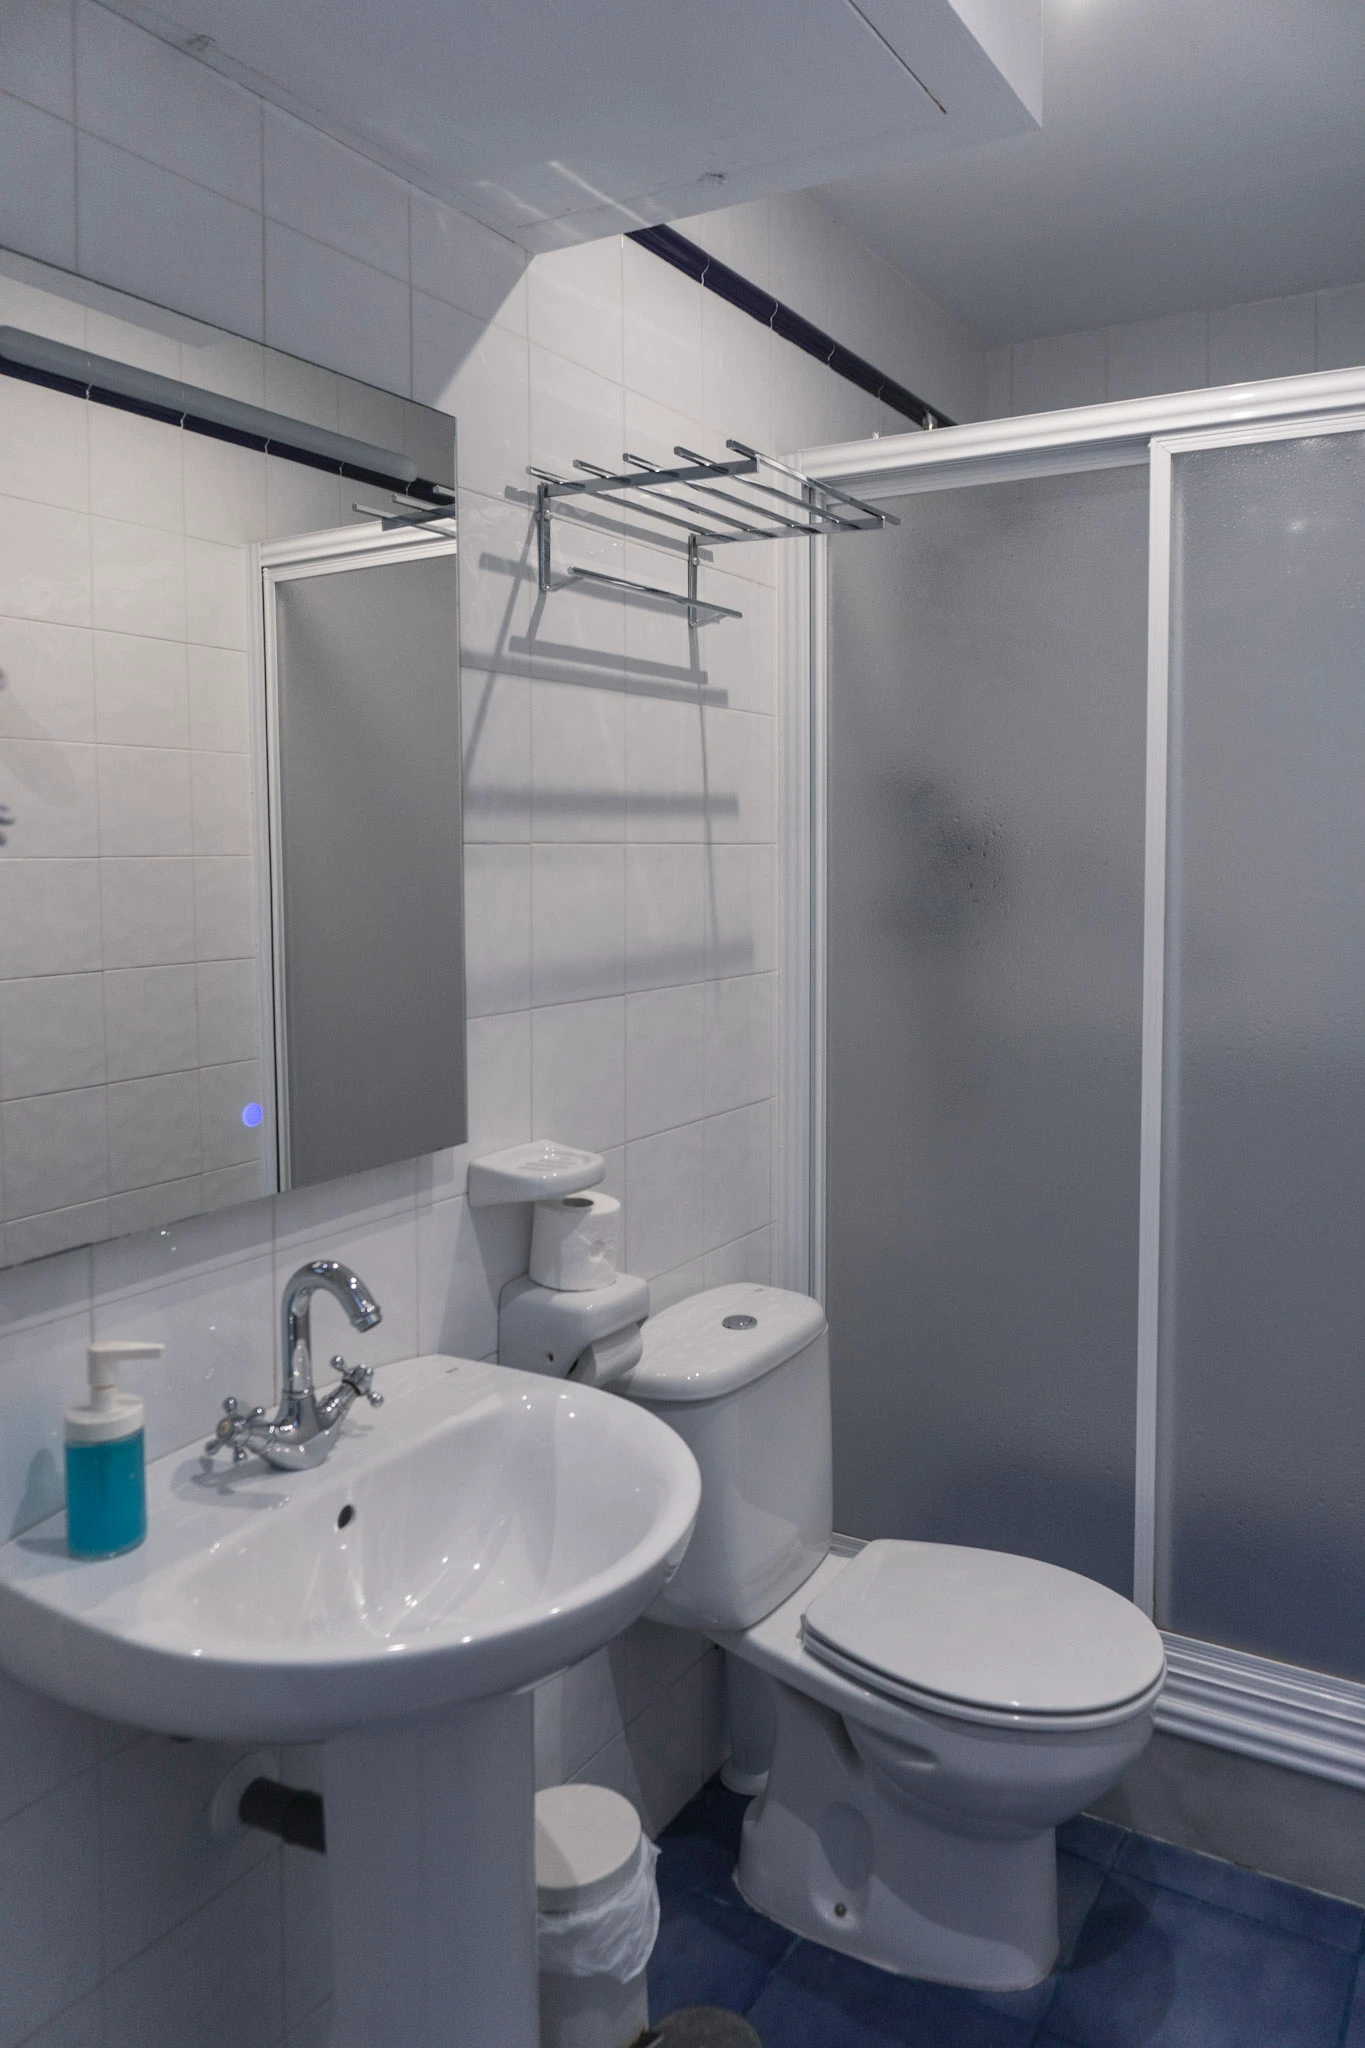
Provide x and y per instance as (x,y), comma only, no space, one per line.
(740,1323)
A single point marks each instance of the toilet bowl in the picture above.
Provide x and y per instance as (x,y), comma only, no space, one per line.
(933,1711)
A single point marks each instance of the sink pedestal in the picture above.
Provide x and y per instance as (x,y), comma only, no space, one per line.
(431,1862)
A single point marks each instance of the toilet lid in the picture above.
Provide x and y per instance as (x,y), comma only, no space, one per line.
(983,1629)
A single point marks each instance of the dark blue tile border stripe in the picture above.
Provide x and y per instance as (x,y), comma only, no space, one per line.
(693,261)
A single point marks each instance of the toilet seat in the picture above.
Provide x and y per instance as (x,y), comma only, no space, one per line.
(981,1635)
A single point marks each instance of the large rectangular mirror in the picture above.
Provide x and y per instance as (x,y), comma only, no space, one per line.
(229,798)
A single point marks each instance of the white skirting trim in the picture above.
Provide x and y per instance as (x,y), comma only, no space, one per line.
(1304,1720)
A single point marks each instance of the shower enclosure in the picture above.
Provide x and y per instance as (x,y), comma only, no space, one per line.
(1075,966)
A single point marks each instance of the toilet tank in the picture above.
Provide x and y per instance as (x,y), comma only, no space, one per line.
(742,1373)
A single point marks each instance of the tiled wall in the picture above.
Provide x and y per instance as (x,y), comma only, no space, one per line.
(620,886)
(1234,345)
(129,1027)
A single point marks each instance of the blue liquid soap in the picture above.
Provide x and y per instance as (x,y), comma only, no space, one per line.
(106,1496)
(106,1483)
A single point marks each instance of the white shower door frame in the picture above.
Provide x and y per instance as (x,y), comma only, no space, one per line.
(1306,1720)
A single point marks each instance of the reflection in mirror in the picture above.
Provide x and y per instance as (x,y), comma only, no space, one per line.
(136,1021)
(363,688)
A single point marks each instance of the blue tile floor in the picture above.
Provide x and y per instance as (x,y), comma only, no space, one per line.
(1161,1948)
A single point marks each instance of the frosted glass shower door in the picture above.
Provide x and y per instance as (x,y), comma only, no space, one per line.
(985,911)
(1261,1497)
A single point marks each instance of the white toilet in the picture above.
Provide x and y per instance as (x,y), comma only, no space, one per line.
(935,1711)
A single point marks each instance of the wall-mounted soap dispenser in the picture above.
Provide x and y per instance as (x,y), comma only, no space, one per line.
(573,1315)
(106,1490)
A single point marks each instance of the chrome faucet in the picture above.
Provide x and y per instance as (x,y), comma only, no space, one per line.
(307,1422)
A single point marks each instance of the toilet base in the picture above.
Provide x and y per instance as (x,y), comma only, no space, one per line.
(828,1854)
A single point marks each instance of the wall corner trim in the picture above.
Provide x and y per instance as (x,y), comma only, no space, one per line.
(1302,1720)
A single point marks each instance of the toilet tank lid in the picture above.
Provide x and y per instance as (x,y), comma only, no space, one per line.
(690,1354)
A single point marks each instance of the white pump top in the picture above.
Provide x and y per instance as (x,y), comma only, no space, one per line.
(109,1413)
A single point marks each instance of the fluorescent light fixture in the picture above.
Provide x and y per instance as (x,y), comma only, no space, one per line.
(100,378)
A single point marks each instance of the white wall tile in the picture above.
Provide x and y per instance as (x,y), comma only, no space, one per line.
(736,373)
(136,469)
(227,1010)
(665,1045)
(369,1222)
(499,1056)
(44,563)
(53,785)
(667,776)
(481,376)
(148,911)
(1149,356)
(49,679)
(224,909)
(575,411)
(219,699)
(46,1745)
(141,691)
(330,193)
(215,594)
(662,332)
(161,1859)
(578,762)
(221,786)
(138,579)
(188,1985)
(42,1366)
(225,1093)
(578,1090)
(150,1022)
(153,1130)
(464,1259)
(574,305)
(135,90)
(497,581)
(748,1258)
(37,183)
(1341,328)
(36,54)
(740,1041)
(51,1034)
(168,240)
(460,261)
(49,916)
(578,922)
(56,1150)
(741,910)
(497,756)
(738,1173)
(49,1907)
(497,904)
(578,1712)
(44,445)
(145,805)
(740,765)
(666,913)
(1061,371)
(1271,338)
(225,490)
(665,1199)
(329,308)
(663,1758)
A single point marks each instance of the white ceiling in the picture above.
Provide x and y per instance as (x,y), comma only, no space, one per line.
(560,120)
(1192,153)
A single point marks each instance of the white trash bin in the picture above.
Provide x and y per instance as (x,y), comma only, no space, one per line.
(598,1915)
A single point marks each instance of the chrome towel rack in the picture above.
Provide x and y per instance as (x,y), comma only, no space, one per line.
(689,499)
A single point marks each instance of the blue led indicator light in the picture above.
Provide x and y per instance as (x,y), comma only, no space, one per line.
(252,1115)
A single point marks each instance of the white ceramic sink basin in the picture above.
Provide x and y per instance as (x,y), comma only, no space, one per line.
(500,1526)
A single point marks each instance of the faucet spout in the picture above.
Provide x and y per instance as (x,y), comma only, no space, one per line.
(345,1288)
(307,1422)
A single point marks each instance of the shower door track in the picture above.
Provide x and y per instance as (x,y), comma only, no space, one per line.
(1306,1720)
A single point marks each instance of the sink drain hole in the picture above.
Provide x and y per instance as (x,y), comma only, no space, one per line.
(346,1516)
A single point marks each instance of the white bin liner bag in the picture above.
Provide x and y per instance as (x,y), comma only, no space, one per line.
(613,1938)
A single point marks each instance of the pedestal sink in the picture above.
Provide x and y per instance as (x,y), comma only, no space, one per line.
(483,1530)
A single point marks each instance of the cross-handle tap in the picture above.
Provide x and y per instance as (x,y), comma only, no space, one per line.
(307,1422)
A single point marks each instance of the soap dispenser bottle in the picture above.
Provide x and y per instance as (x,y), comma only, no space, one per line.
(106,1491)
